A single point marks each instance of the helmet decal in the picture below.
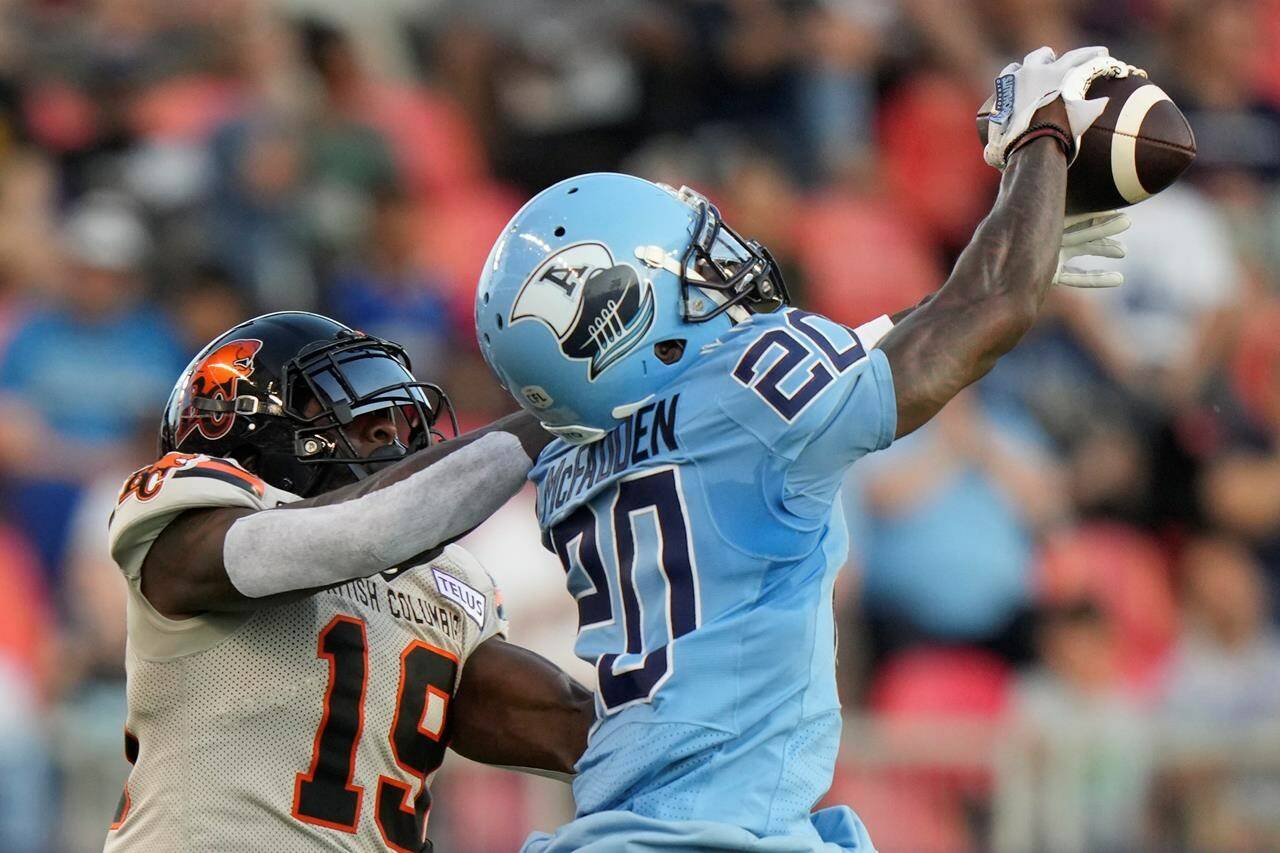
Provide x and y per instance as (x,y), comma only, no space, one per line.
(215,377)
(598,309)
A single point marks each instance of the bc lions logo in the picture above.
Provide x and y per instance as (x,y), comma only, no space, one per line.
(216,378)
(599,310)
(144,484)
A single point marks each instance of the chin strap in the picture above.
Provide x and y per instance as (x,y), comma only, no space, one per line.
(242,405)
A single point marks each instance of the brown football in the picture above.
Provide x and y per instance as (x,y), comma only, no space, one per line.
(1138,146)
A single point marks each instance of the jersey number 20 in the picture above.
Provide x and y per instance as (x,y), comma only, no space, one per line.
(326,794)
(650,536)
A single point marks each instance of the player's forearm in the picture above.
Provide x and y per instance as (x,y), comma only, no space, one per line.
(907,312)
(993,295)
(1011,260)
(516,709)
(386,520)
(521,426)
(232,559)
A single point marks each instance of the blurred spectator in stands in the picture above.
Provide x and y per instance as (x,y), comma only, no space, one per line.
(860,254)
(26,655)
(79,373)
(256,217)
(1126,573)
(557,88)
(811,93)
(1236,129)
(86,727)
(931,160)
(835,92)
(1223,687)
(436,148)
(91,362)
(260,230)
(1019,26)
(391,292)
(212,303)
(761,201)
(1241,484)
(28,240)
(1164,333)
(948,35)
(26,791)
(1225,673)
(947,529)
(1114,374)
(1090,733)
(348,161)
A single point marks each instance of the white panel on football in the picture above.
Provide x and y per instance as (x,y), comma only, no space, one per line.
(1124,142)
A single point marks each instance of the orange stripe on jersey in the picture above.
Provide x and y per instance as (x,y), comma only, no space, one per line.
(126,800)
(227,472)
(145,483)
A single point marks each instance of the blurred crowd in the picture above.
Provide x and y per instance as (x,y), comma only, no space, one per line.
(1088,541)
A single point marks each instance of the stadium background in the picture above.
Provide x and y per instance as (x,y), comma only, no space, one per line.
(1058,626)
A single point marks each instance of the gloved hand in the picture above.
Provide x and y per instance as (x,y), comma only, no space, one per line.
(1024,87)
(1091,234)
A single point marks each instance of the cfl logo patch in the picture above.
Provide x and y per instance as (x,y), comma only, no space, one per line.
(537,396)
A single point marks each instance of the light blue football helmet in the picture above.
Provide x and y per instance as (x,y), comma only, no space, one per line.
(604,288)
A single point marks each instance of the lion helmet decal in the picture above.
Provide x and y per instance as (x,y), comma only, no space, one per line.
(216,377)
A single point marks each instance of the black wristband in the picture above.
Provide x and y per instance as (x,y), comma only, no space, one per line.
(1038,131)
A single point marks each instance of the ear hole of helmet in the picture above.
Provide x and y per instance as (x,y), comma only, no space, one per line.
(669,352)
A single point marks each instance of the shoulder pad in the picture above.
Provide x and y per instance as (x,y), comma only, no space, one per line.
(153,496)
(144,484)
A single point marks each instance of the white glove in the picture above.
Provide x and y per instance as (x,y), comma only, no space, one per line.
(1022,88)
(1090,234)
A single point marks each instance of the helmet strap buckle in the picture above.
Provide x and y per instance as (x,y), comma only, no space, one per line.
(247,405)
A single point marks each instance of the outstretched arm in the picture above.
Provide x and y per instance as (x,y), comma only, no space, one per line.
(240,559)
(516,709)
(993,295)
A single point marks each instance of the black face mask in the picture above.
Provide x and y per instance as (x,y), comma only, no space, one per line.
(347,382)
(742,272)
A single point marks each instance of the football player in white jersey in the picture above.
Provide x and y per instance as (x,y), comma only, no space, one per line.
(303,641)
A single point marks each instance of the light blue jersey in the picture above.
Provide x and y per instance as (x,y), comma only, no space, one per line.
(701,540)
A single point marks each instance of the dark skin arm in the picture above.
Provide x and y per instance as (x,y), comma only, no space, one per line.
(183,574)
(517,709)
(993,295)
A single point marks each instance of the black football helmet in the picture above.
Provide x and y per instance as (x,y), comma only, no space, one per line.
(274,393)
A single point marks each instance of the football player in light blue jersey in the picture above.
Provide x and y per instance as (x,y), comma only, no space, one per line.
(704,429)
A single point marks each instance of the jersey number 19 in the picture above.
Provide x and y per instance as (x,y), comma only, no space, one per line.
(326,794)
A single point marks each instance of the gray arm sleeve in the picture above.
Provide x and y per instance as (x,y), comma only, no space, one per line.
(280,550)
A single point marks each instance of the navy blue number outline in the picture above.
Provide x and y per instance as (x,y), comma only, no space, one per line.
(660,492)
(794,351)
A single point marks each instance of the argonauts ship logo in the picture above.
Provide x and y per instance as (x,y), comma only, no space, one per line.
(599,310)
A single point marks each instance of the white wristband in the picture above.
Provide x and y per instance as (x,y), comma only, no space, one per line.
(870,333)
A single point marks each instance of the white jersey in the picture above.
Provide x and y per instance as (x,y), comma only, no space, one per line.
(309,726)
